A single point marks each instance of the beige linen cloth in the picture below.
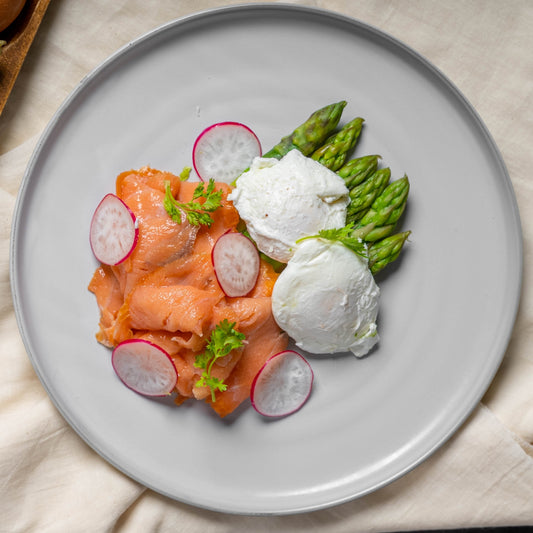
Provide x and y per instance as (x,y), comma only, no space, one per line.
(51,481)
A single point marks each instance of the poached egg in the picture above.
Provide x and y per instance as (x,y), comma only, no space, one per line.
(326,299)
(284,200)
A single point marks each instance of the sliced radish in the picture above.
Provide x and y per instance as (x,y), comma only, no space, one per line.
(282,385)
(236,262)
(144,367)
(114,231)
(224,151)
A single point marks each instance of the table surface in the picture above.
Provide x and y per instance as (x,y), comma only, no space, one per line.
(482,477)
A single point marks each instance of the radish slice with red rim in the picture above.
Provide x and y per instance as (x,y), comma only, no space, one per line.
(224,151)
(236,262)
(114,231)
(144,367)
(283,384)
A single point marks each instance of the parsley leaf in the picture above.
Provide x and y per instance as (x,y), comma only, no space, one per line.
(185,173)
(196,213)
(223,340)
(343,235)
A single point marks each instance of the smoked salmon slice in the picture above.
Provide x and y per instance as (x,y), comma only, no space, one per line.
(166,292)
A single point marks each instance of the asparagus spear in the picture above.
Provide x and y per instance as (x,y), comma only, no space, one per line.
(379,221)
(385,251)
(362,196)
(355,171)
(312,133)
(333,153)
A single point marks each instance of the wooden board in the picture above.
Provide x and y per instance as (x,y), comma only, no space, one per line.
(18,37)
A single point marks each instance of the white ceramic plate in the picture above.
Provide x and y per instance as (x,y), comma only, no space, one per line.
(447,309)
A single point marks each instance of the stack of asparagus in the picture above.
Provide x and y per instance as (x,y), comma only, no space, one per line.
(376,202)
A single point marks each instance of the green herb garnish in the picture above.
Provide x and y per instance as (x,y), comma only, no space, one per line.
(185,173)
(223,340)
(343,235)
(197,213)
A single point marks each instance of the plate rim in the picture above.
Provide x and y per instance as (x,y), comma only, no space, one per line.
(272,8)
